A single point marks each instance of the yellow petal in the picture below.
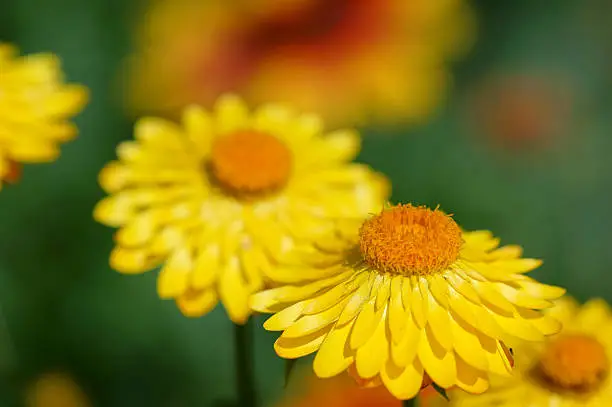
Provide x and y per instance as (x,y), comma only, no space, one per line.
(438,363)
(536,289)
(286,317)
(340,146)
(470,379)
(354,305)
(66,101)
(546,324)
(33,151)
(293,348)
(114,211)
(365,324)
(506,252)
(467,345)
(331,243)
(312,323)
(232,114)
(273,119)
(252,269)
(438,288)
(475,315)
(404,383)
(521,265)
(405,351)
(498,361)
(489,293)
(334,356)
(288,294)
(593,313)
(397,315)
(139,230)
(517,327)
(438,321)
(173,279)
(206,267)
(234,293)
(305,127)
(334,295)
(414,299)
(131,261)
(199,127)
(521,298)
(159,133)
(463,287)
(195,303)
(383,292)
(371,357)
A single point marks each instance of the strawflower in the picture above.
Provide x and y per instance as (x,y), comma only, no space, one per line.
(35,105)
(348,60)
(570,369)
(220,199)
(406,294)
(55,390)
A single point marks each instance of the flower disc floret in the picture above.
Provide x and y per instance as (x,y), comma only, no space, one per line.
(250,162)
(575,362)
(410,240)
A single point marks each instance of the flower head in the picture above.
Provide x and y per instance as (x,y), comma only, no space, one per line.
(385,59)
(56,390)
(407,295)
(220,200)
(569,369)
(35,105)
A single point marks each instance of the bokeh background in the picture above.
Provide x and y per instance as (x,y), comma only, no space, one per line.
(520,144)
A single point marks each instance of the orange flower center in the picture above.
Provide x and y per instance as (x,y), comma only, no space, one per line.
(249,162)
(410,240)
(575,362)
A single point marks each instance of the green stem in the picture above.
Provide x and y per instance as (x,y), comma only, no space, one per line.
(410,403)
(245,373)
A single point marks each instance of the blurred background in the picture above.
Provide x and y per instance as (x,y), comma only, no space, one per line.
(501,112)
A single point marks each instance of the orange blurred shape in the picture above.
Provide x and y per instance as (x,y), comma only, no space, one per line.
(341,391)
(344,391)
(521,110)
(13,174)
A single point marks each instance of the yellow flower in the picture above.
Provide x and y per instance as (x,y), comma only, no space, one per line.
(407,293)
(348,60)
(221,199)
(34,107)
(56,390)
(570,369)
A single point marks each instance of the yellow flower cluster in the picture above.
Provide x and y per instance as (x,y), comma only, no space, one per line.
(265,204)
(265,210)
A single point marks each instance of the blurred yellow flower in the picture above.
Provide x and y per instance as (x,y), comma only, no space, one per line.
(34,107)
(382,60)
(221,199)
(55,390)
(570,369)
(408,293)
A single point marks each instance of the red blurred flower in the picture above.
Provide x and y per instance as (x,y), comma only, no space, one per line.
(341,58)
